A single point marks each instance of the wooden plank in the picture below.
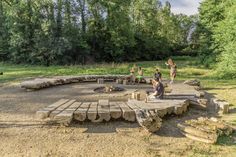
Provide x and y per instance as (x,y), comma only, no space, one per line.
(132,104)
(179,97)
(199,103)
(61,108)
(223,105)
(115,110)
(92,111)
(127,113)
(100,81)
(44,113)
(66,116)
(103,110)
(161,109)
(200,139)
(197,132)
(179,106)
(81,113)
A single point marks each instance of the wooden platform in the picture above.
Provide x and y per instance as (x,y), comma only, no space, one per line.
(65,111)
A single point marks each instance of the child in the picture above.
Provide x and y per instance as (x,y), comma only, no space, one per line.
(173,69)
(132,76)
(140,74)
(158,75)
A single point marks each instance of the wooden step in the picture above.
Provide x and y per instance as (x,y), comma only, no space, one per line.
(132,104)
(66,116)
(81,113)
(103,111)
(44,113)
(160,109)
(115,110)
(92,111)
(61,108)
(127,113)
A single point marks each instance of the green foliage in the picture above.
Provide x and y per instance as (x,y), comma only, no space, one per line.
(224,36)
(216,36)
(49,32)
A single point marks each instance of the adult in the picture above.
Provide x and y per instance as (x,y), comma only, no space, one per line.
(158,90)
(173,69)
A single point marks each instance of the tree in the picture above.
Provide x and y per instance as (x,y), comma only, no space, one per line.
(50,32)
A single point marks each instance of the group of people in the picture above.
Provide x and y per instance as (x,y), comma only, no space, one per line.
(158,87)
(133,76)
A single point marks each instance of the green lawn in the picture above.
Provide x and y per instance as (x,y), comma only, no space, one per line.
(187,68)
(224,89)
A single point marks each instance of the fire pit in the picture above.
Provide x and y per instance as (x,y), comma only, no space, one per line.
(108,89)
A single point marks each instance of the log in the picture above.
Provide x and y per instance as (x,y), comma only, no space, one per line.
(44,113)
(100,81)
(81,113)
(66,116)
(222,105)
(211,126)
(136,96)
(61,108)
(196,138)
(133,104)
(40,83)
(198,88)
(205,129)
(196,132)
(198,104)
(92,112)
(220,126)
(169,106)
(119,81)
(150,122)
(115,110)
(127,113)
(179,97)
(200,94)
(125,82)
(103,111)
(193,82)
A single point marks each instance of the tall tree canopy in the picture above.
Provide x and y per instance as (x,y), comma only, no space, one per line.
(79,31)
(216,34)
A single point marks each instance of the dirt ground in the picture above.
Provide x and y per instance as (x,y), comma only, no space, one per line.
(21,134)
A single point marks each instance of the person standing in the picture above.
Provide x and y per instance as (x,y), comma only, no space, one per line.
(132,76)
(173,69)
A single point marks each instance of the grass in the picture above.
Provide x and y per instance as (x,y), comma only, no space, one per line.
(187,68)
